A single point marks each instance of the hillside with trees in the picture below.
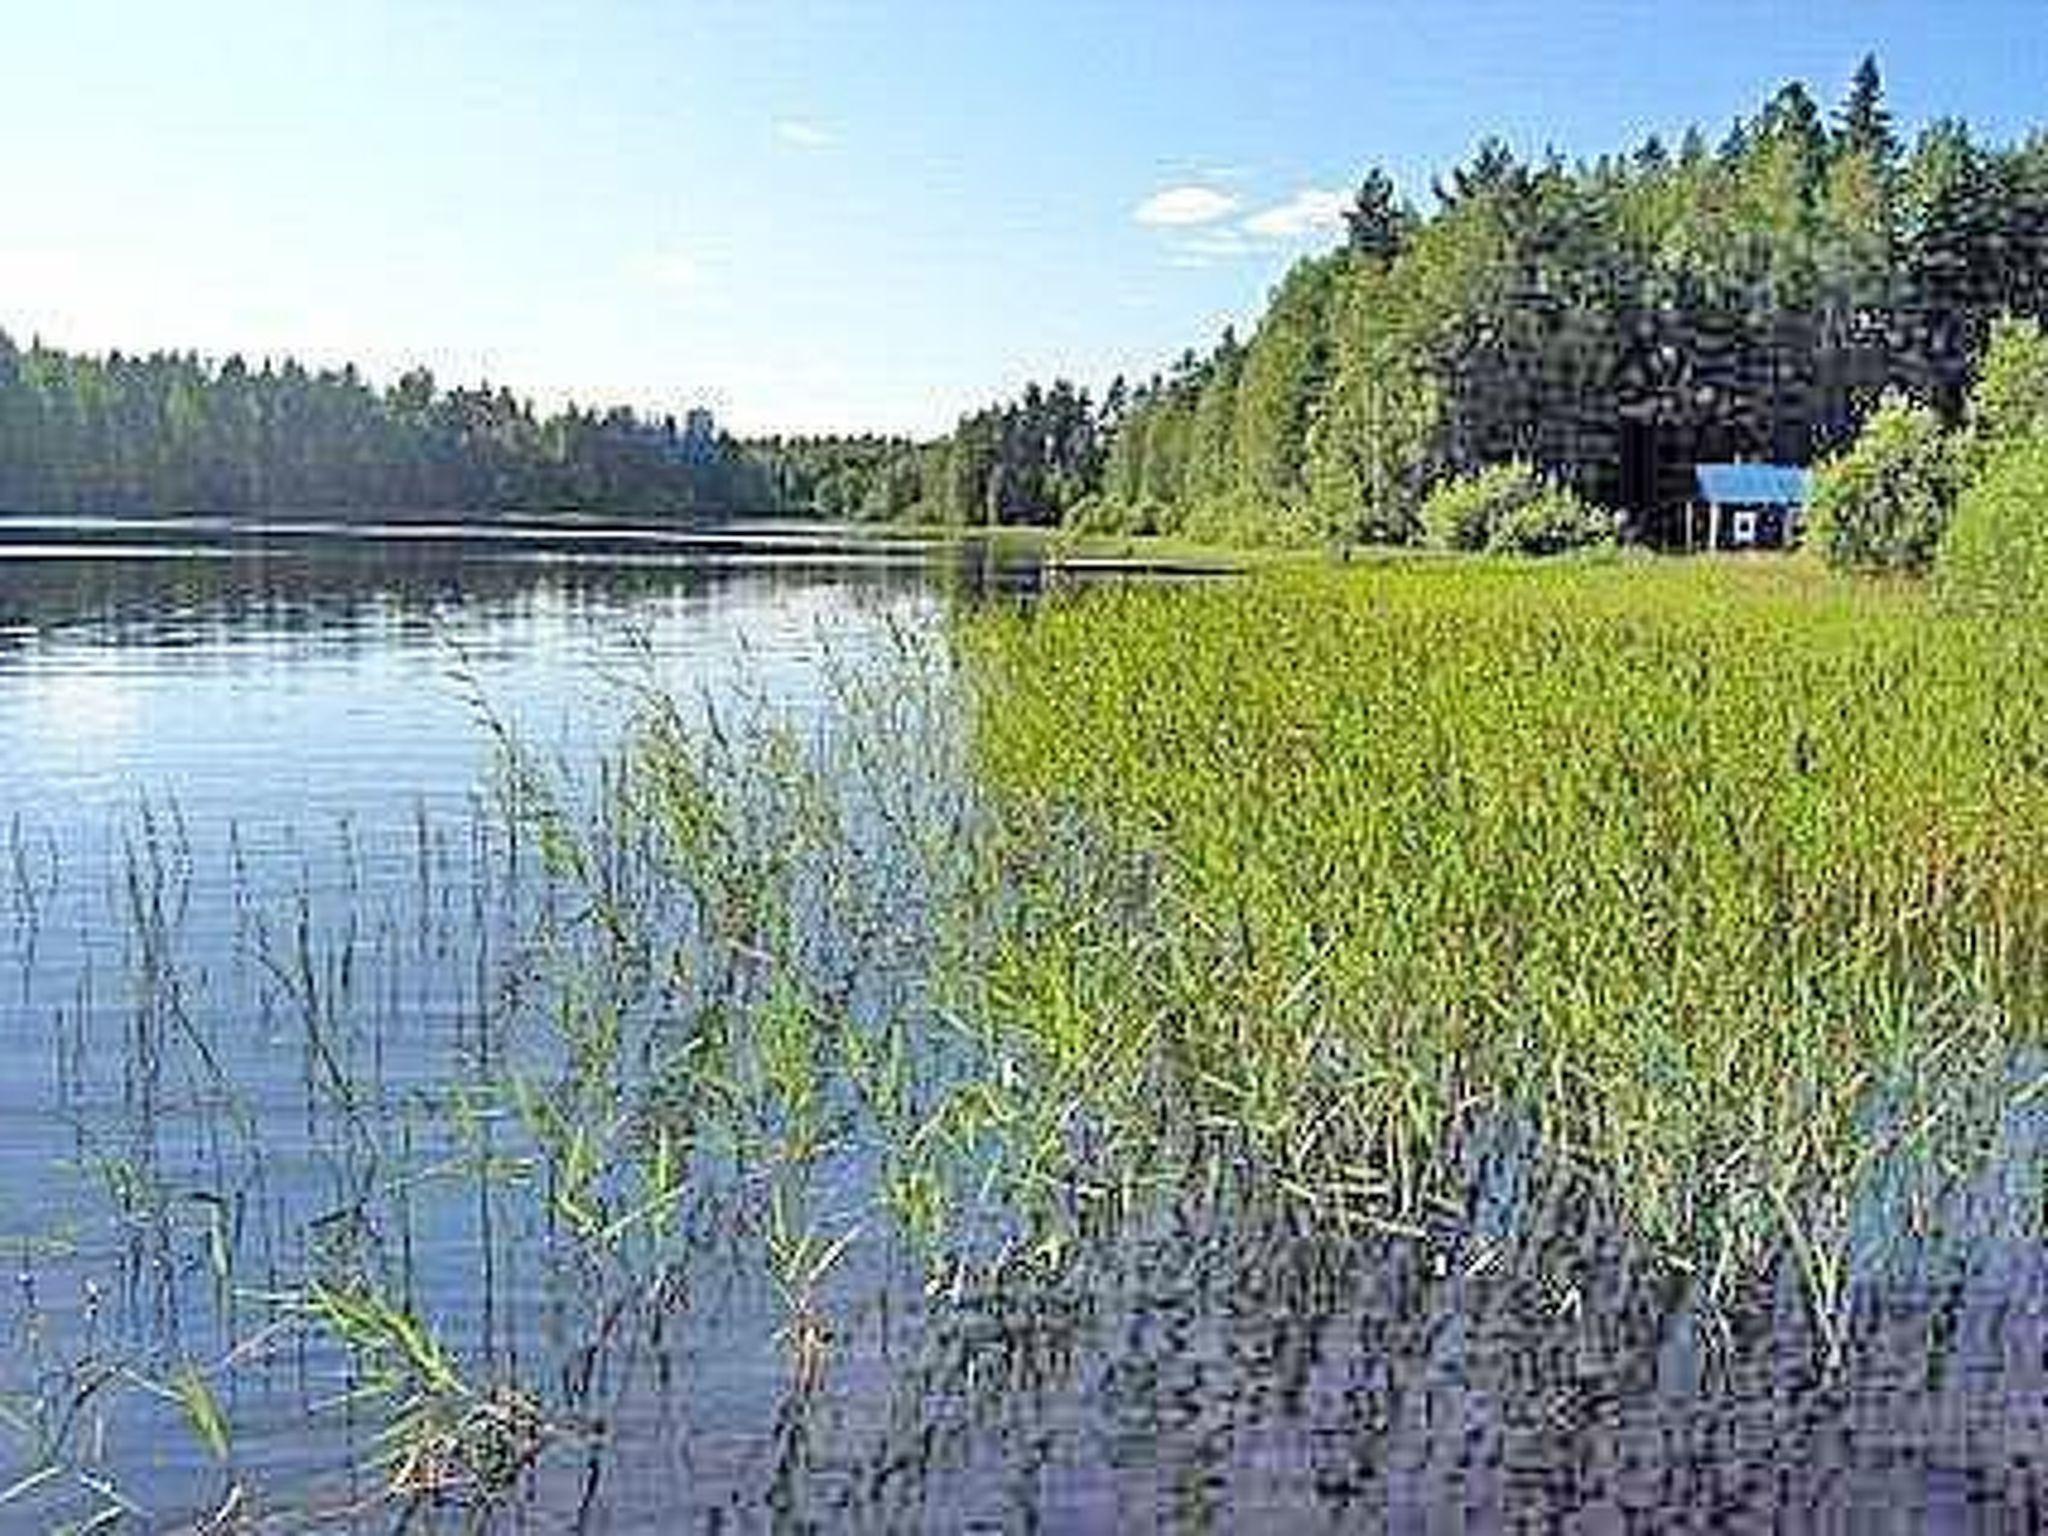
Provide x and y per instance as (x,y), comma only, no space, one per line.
(1611,324)
(175,433)
(1608,324)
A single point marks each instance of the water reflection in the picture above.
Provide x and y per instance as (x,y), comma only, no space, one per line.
(646,1112)
(264,950)
(284,678)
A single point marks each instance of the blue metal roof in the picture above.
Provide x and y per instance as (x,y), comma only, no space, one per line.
(1766,485)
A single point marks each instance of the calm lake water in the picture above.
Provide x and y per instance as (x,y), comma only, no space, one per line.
(264,928)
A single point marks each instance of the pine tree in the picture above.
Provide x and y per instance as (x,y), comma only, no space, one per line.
(1865,127)
(1377,224)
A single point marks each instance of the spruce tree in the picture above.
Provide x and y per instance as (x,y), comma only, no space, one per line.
(1377,224)
(1865,127)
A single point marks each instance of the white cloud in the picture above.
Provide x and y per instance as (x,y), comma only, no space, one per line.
(1309,212)
(1177,207)
(802,134)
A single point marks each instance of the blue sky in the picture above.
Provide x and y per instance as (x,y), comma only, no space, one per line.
(815,216)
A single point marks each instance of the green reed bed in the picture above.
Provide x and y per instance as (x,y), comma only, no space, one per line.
(1725,882)
(1429,917)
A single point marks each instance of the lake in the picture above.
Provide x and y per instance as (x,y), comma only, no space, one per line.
(405,1130)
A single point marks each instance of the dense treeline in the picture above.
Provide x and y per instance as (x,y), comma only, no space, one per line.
(868,478)
(175,432)
(1024,461)
(1611,324)
(1607,324)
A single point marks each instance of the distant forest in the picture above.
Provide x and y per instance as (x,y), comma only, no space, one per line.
(1025,461)
(1610,323)
(174,432)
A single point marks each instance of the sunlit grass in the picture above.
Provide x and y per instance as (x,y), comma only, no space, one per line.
(1728,880)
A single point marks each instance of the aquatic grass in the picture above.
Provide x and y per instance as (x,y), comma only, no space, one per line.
(443,1437)
(1503,941)
(1700,869)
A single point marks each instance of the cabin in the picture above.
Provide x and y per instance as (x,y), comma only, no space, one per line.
(1747,506)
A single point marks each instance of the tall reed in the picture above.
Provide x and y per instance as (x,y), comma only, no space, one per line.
(1727,881)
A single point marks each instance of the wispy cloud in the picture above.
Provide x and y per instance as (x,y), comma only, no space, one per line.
(804,134)
(1180,207)
(1311,211)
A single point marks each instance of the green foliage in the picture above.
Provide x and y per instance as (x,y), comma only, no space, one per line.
(1378,223)
(1026,461)
(1551,523)
(1286,373)
(1866,127)
(1093,514)
(2009,402)
(1751,303)
(1462,513)
(188,1385)
(1881,505)
(848,479)
(1994,554)
(1212,441)
(173,432)
(1369,444)
(1510,509)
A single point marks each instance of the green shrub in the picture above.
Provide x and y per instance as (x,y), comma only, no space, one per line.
(1881,504)
(1994,555)
(1556,521)
(1093,514)
(1106,515)
(2009,402)
(1462,513)
(1510,509)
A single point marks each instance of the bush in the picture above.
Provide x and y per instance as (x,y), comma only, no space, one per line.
(2009,402)
(1510,509)
(1093,514)
(1881,504)
(1102,514)
(1554,522)
(1462,513)
(1994,555)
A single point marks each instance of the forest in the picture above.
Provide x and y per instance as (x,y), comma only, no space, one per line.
(1610,323)
(1605,325)
(1026,461)
(176,432)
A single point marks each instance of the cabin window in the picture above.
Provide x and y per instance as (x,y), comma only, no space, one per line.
(1745,526)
